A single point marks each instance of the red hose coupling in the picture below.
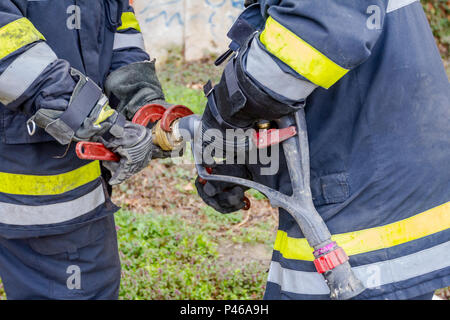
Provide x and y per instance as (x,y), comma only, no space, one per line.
(330,260)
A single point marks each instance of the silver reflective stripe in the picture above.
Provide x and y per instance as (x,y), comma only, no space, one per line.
(23,215)
(397,4)
(23,71)
(127,40)
(294,281)
(265,70)
(372,275)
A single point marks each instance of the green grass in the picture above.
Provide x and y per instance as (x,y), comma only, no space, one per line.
(183,82)
(164,257)
(181,73)
(194,99)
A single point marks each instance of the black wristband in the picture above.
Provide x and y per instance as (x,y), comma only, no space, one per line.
(82,105)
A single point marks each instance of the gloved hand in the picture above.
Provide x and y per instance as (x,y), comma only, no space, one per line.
(134,86)
(238,102)
(134,144)
(224,197)
(88,117)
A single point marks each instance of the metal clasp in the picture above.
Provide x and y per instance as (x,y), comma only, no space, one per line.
(31,127)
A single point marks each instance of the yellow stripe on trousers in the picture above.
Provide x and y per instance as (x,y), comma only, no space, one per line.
(16,35)
(299,55)
(418,226)
(34,185)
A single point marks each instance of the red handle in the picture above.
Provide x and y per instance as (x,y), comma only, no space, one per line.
(172,114)
(149,113)
(95,151)
(145,115)
(266,138)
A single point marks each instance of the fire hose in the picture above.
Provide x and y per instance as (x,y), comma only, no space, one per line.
(331,261)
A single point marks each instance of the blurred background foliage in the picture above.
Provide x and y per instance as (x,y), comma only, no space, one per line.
(438,14)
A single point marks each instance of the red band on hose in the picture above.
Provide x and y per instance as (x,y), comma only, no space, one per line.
(331,260)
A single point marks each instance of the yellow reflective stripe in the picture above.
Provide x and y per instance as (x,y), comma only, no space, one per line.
(418,226)
(49,185)
(105,113)
(16,35)
(300,56)
(129,21)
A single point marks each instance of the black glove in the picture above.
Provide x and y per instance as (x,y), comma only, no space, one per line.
(224,197)
(134,86)
(86,116)
(133,143)
(237,102)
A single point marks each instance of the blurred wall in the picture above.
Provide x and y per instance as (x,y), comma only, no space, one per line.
(199,26)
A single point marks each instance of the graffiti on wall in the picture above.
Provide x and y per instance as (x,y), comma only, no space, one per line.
(197,24)
(164,13)
(171,11)
(216,17)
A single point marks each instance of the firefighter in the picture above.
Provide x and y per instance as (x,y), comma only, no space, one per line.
(371,81)
(57,232)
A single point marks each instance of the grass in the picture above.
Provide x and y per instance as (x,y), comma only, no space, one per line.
(189,97)
(183,82)
(164,257)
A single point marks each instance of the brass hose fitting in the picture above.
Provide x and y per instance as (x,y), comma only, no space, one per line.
(263,125)
(167,141)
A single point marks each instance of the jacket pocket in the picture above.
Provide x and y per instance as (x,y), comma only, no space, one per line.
(14,129)
(69,243)
(330,189)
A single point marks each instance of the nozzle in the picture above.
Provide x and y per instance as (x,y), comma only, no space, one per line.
(343,283)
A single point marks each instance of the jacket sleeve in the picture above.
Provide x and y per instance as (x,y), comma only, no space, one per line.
(308,43)
(129,44)
(31,75)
